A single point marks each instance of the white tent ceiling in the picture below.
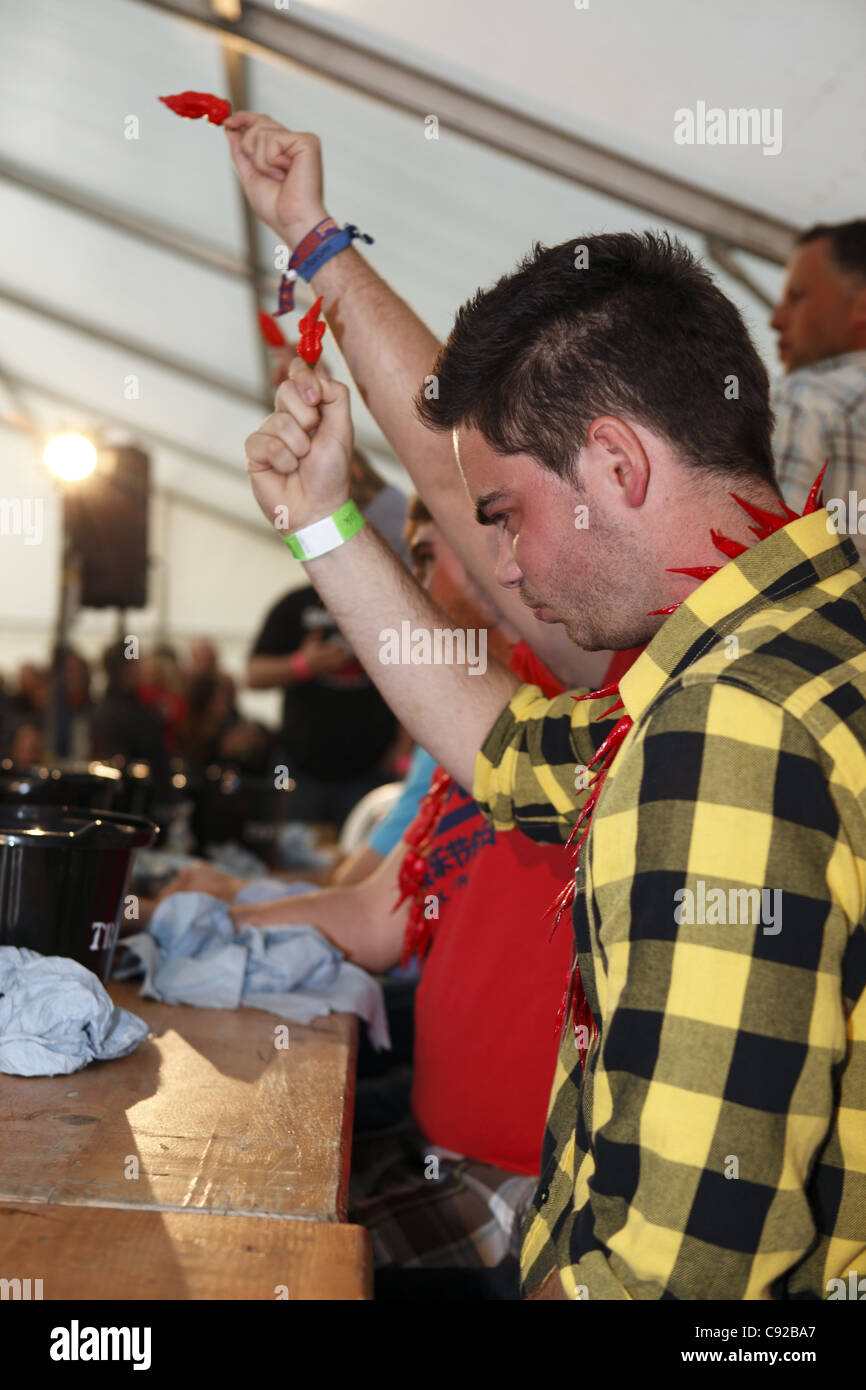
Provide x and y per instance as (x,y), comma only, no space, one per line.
(86,302)
(616,71)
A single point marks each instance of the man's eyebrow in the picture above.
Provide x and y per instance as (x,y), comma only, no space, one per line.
(483,503)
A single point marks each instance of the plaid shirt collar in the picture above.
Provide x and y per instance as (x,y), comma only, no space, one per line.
(857,358)
(793,558)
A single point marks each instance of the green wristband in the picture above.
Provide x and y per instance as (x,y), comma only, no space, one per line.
(320,537)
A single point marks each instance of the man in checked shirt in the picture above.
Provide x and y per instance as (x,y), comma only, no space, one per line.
(820,405)
(714,1147)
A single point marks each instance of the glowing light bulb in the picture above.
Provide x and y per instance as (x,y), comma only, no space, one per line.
(70,457)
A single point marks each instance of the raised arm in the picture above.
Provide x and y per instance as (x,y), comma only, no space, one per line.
(299,468)
(389,352)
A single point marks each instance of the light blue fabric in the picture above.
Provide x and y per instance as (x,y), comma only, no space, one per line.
(236,860)
(296,848)
(264,890)
(56,1016)
(391,828)
(193,955)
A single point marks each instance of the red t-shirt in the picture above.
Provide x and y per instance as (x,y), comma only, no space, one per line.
(486,1006)
(485,1010)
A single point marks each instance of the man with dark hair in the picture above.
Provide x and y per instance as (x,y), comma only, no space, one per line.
(518,351)
(712,1143)
(820,405)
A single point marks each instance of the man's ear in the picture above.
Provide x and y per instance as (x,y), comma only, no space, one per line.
(620,458)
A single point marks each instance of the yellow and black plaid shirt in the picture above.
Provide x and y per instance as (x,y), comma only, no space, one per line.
(715,1147)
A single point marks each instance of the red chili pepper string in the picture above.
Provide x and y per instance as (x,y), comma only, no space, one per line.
(413,869)
(196,104)
(574,1000)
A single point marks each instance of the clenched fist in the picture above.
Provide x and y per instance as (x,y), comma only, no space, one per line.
(280,172)
(299,460)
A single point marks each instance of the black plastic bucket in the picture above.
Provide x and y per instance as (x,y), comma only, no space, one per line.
(247,810)
(63,873)
(174,795)
(157,793)
(95,785)
(136,787)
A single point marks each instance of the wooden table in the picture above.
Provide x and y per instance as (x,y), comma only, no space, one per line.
(208,1115)
(79,1253)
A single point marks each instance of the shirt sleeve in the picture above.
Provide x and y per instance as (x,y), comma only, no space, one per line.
(392,827)
(724,918)
(531,773)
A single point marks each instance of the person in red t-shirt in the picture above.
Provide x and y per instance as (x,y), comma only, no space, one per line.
(448,1192)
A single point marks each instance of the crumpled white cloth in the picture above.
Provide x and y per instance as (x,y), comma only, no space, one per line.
(192,955)
(56,1016)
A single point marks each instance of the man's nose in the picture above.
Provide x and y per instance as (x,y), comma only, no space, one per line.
(778,318)
(508,572)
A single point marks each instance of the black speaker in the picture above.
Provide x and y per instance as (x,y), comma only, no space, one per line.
(106,520)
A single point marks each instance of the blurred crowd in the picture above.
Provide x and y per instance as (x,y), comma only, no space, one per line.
(153,708)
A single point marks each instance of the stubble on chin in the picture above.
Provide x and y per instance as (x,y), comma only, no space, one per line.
(585,637)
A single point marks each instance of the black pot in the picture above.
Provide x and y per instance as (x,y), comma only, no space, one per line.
(95,785)
(233,806)
(156,792)
(136,787)
(174,792)
(63,874)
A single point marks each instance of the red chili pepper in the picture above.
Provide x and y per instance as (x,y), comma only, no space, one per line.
(419,833)
(767,521)
(815,500)
(413,872)
(195,104)
(697,571)
(270,330)
(599,694)
(312,333)
(617,704)
(728,547)
(563,899)
(613,740)
(418,933)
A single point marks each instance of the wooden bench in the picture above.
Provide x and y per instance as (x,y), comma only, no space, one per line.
(86,1253)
